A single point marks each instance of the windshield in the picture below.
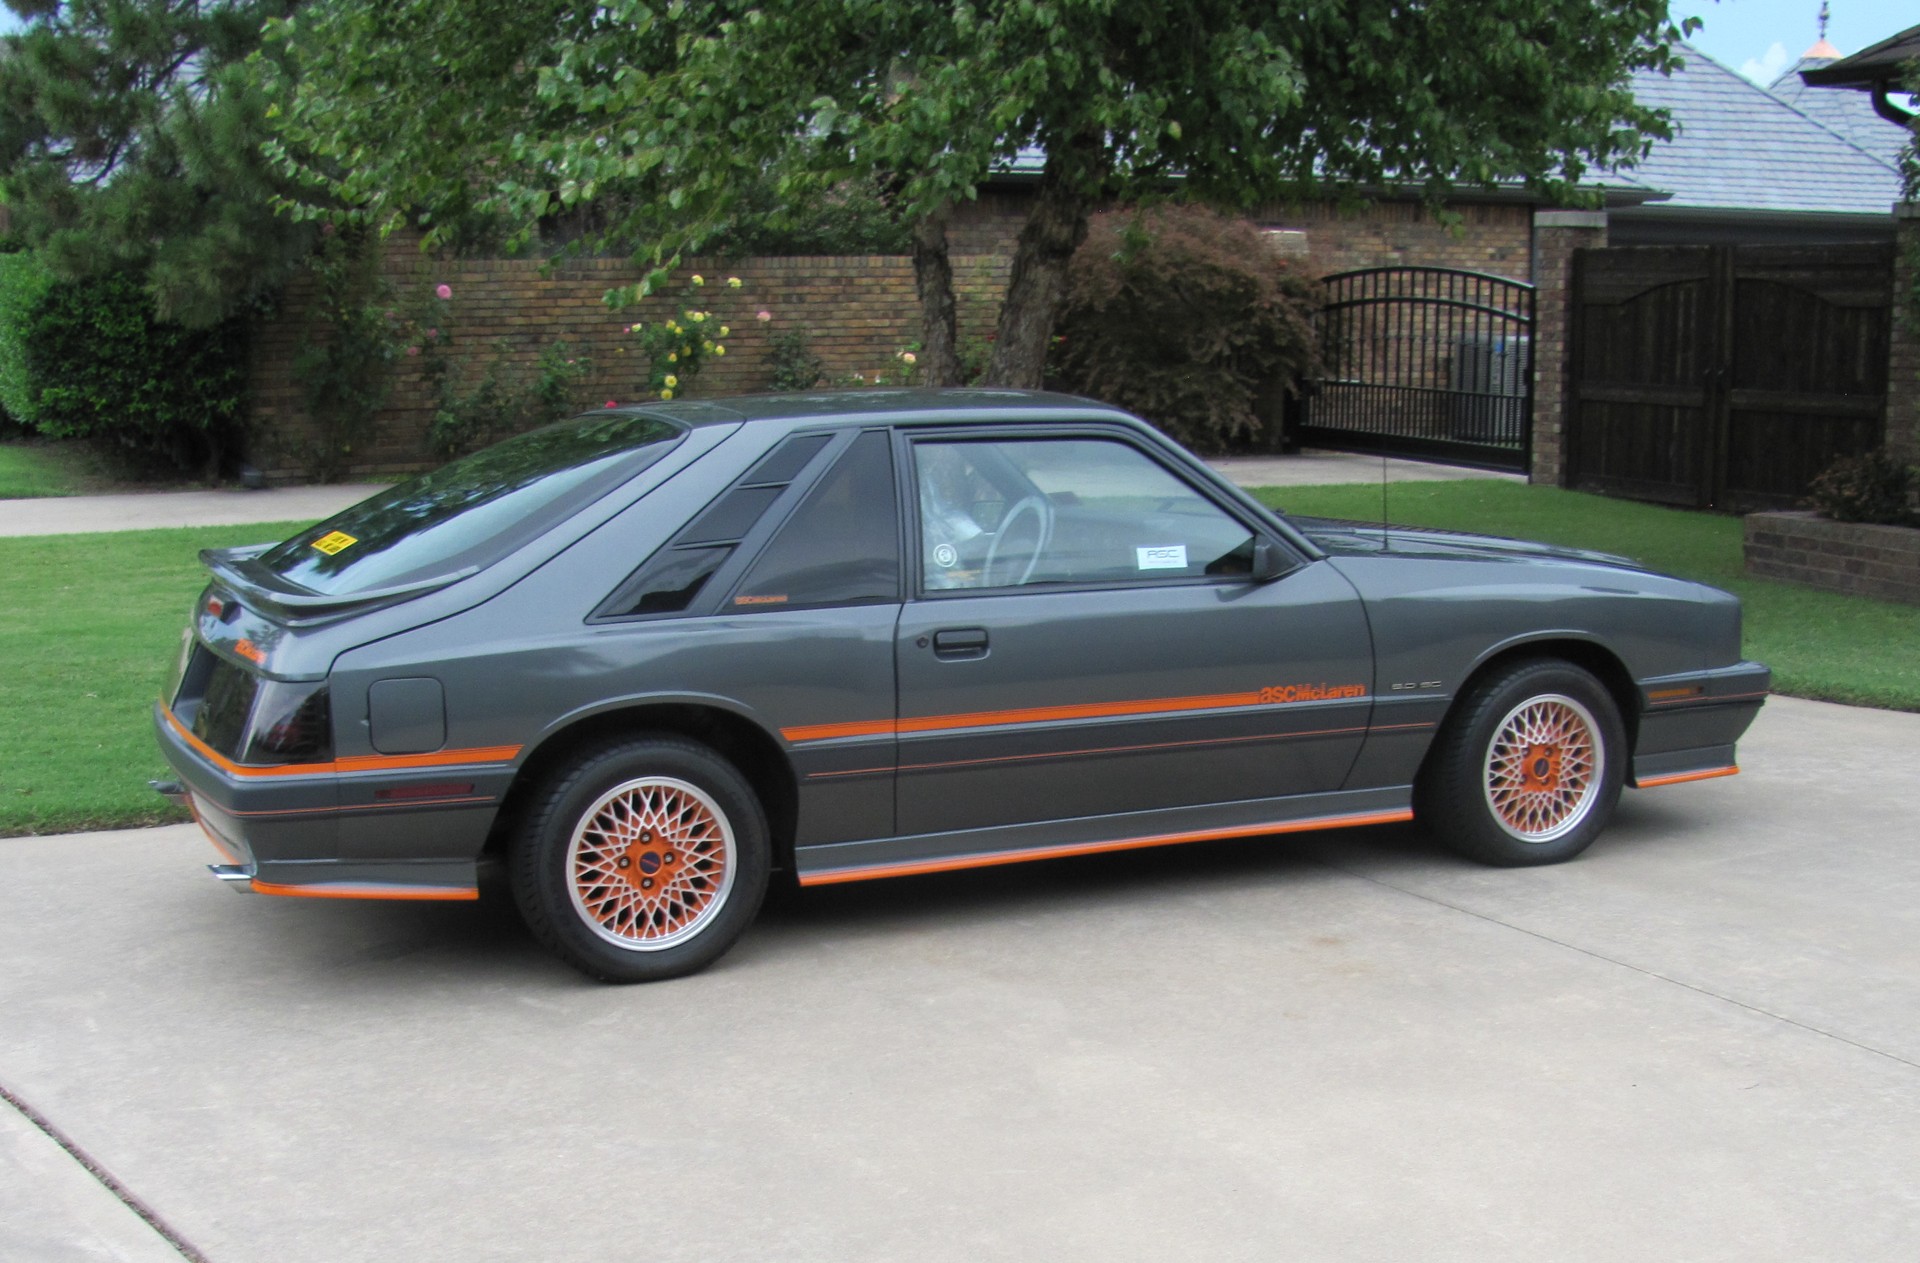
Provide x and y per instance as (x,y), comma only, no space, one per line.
(475,510)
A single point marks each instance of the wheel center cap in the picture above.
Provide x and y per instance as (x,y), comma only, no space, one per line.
(1543,767)
(641,865)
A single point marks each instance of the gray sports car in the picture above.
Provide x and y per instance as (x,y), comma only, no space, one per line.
(644,657)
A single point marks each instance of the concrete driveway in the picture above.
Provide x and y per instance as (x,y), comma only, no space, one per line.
(1699,1041)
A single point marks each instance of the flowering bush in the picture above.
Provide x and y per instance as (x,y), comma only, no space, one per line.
(677,347)
(476,402)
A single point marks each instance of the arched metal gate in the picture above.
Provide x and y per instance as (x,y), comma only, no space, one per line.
(1426,362)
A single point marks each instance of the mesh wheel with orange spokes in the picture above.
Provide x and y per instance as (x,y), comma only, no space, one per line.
(1542,768)
(642,860)
(652,862)
(1527,767)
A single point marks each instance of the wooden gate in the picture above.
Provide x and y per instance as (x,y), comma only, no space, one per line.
(1425,362)
(1725,376)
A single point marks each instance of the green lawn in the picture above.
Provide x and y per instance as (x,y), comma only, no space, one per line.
(1820,645)
(32,470)
(91,625)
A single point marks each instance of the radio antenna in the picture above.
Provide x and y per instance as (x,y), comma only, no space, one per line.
(1386,541)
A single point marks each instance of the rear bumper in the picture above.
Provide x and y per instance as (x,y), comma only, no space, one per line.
(1690,724)
(322,833)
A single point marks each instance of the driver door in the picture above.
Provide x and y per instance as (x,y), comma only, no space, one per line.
(1086,639)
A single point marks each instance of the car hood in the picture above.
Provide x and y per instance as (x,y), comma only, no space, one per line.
(1362,539)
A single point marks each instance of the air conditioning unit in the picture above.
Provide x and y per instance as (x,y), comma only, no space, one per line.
(1489,380)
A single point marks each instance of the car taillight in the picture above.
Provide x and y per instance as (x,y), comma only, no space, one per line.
(292,723)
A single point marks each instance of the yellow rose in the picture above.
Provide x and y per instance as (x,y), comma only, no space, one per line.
(666,394)
(724,331)
(672,380)
(706,346)
(733,282)
(673,357)
(697,280)
(698,316)
(719,350)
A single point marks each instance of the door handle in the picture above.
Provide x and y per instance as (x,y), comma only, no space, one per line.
(960,643)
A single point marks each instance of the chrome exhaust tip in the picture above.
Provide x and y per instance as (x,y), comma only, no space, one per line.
(235,876)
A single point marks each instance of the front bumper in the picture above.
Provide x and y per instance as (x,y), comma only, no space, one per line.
(1689,723)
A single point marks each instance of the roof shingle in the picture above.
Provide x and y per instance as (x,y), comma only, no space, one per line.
(1736,146)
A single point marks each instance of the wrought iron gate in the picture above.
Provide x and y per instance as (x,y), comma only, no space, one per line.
(1425,362)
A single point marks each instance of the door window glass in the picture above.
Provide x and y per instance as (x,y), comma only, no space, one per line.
(841,546)
(1013,513)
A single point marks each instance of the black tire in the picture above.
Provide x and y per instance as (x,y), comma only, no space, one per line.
(641,860)
(1527,767)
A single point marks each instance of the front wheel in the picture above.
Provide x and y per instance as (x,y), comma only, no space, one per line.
(642,860)
(1527,767)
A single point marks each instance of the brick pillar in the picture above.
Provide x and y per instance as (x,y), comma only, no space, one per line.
(1903,353)
(1556,235)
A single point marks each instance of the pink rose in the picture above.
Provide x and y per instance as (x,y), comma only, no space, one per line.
(444,291)
(413,350)
(613,403)
(763,316)
(432,334)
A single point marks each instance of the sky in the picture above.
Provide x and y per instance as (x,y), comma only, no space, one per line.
(1758,38)
(1761,38)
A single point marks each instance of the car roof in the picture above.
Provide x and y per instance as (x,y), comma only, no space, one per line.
(909,406)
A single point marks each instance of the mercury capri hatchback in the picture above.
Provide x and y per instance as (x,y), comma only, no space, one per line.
(643,658)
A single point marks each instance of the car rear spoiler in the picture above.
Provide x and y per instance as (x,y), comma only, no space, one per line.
(254,585)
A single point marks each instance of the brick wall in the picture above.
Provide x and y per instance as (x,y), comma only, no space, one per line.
(1556,235)
(1849,557)
(858,312)
(1491,237)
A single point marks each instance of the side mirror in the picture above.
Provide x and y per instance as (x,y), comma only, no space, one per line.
(1270,561)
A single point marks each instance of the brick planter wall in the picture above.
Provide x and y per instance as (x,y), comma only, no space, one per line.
(1859,560)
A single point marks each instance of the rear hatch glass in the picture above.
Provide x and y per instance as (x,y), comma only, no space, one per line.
(473,511)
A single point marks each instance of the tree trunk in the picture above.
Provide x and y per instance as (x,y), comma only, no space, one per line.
(1055,227)
(933,278)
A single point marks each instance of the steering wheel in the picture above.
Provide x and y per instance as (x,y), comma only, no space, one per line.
(998,571)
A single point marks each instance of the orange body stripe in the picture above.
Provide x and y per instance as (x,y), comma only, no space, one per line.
(352,763)
(1661,695)
(1027,715)
(1680,778)
(1703,697)
(340,890)
(835,876)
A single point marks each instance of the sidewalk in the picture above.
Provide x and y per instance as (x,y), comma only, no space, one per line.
(149,510)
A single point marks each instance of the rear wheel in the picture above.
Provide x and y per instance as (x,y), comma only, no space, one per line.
(642,860)
(1527,768)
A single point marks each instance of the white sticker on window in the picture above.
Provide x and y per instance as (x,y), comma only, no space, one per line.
(1162,557)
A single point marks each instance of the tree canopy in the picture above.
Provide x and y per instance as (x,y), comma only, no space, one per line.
(131,136)
(658,114)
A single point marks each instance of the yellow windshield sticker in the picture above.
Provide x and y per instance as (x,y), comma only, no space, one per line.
(334,542)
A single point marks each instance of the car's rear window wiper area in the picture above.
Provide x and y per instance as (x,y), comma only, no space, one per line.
(468,514)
